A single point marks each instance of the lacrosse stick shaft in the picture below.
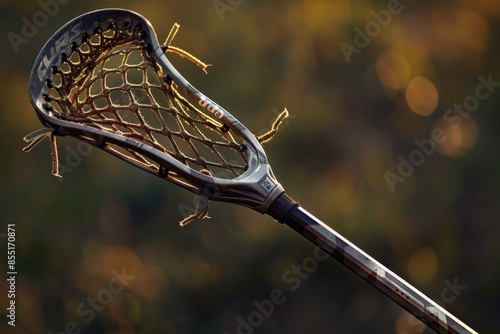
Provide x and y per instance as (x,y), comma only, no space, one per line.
(373,272)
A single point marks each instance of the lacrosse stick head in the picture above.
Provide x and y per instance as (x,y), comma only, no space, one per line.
(104,78)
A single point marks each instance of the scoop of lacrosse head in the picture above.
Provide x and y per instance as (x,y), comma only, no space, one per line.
(103,78)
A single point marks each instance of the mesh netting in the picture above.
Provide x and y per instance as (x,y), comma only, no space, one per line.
(110,82)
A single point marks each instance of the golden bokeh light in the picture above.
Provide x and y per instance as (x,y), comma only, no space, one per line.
(122,259)
(393,69)
(422,265)
(489,8)
(151,282)
(472,30)
(422,96)
(460,28)
(460,137)
(443,22)
(318,14)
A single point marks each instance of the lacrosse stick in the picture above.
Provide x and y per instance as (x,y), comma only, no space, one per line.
(104,78)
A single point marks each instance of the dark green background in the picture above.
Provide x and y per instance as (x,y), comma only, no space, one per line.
(346,131)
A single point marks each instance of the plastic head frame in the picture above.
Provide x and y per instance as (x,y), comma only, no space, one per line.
(256,187)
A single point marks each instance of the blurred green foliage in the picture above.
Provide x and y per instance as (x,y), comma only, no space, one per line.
(350,123)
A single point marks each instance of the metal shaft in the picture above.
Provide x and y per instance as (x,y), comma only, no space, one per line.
(373,272)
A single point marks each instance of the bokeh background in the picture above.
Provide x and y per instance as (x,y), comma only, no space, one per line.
(350,121)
